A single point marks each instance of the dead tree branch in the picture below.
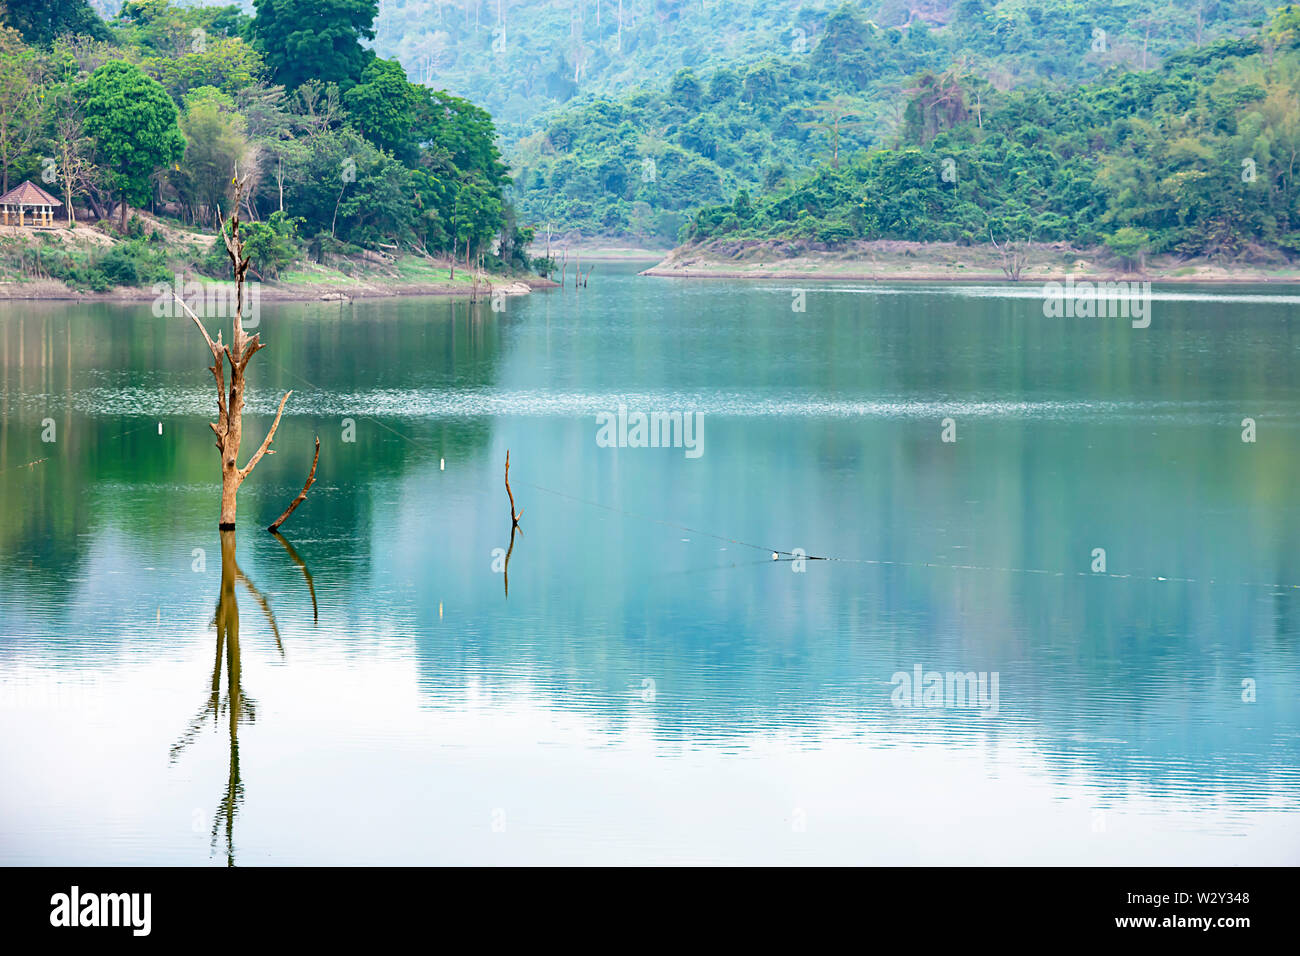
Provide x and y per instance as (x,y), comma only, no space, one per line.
(302,495)
(514,518)
(1014,258)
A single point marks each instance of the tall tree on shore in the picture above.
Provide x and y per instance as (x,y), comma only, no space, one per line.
(383,107)
(217,141)
(69,145)
(20,81)
(41,21)
(133,122)
(315,39)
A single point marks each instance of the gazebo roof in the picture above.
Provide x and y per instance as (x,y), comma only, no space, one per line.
(28,194)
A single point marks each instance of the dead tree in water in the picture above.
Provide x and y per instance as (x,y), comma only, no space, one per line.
(514,526)
(230,402)
(1014,257)
(514,518)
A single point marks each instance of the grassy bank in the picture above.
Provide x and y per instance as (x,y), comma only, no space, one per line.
(89,262)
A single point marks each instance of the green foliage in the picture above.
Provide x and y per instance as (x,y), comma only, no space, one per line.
(314,39)
(227,63)
(131,263)
(40,21)
(541,54)
(1128,243)
(272,246)
(135,228)
(1197,158)
(20,101)
(382,107)
(133,122)
(816,119)
(217,143)
(354,151)
(871,75)
(512,251)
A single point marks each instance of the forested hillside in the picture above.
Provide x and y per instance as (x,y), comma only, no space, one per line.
(639,163)
(160,105)
(657,120)
(1197,158)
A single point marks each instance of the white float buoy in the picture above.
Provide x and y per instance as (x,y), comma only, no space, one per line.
(775,556)
(160,428)
(442,464)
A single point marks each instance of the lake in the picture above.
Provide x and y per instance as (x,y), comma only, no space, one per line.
(1064,514)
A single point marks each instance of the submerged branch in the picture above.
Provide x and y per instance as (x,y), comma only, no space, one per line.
(514,518)
(311,480)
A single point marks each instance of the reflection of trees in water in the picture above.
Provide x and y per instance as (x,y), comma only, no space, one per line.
(236,706)
(46,355)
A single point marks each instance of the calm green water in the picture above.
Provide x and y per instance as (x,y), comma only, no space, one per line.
(653,686)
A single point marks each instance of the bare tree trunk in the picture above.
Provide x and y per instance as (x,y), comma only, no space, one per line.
(230,404)
(335,220)
(67,192)
(1014,258)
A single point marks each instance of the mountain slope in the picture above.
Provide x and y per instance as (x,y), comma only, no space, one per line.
(636,165)
(1198,158)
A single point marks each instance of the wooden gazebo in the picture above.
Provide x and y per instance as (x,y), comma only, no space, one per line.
(28,205)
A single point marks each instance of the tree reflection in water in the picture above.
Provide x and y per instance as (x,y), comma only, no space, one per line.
(236,706)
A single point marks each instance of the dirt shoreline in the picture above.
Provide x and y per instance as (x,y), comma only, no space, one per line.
(896,261)
(1242,278)
(602,253)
